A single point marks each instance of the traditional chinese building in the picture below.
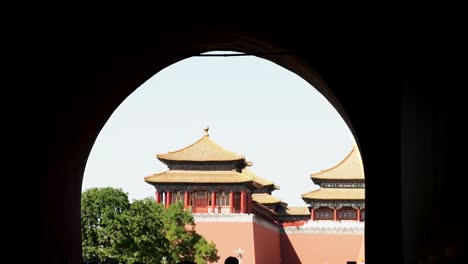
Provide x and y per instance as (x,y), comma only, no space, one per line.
(207,178)
(335,232)
(235,208)
(341,194)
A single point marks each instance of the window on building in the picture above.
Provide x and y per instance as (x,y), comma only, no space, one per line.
(347,214)
(324,214)
(222,198)
(177,197)
(363,215)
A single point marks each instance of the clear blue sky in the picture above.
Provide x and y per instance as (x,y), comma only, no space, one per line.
(252,106)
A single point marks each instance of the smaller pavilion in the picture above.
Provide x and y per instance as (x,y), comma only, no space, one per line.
(341,194)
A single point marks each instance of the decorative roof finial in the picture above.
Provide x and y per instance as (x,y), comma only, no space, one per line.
(206,130)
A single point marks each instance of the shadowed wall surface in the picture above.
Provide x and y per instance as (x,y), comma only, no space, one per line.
(267,244)
(321,248)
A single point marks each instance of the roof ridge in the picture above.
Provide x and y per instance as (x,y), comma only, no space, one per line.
(339,163)
(309,192)
(206,147)
(186,147)
(350,167)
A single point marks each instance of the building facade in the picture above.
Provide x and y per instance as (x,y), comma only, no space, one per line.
(335,231)
(235,208)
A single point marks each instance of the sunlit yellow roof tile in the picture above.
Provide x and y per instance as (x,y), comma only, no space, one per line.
(262,181)
(297,210)
(336,194)
(193,176)
(205,149)
(265,198)
(349,168)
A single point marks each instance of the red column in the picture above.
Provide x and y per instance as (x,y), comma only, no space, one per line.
(358,215)
(231,202)
(335,215)
(158,197)
(186,199)
(168,198)
(213,201)
(249,203)
(312,214)
(243,202)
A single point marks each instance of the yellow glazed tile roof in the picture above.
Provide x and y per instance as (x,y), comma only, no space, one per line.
(349,168)
(260,180)
(198,176)
(297,210)
(336,194)
(204,149)
(265,198)
(194,176)
(266,208)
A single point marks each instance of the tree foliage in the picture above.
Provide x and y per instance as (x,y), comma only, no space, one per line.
(100,214)
(185,242)
(141,237)
(139,232)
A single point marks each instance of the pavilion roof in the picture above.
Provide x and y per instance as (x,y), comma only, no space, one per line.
(203,176)
(349,168)
(204,149)
(297,210)
(264,182)
(335,194)
(197,176)
(294,210)
(265,198)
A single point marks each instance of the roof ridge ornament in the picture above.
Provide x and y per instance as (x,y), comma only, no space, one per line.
(206,131)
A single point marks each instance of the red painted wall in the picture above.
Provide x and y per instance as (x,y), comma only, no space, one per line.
(261,244)
(228,237)
(267,245)
(321,248)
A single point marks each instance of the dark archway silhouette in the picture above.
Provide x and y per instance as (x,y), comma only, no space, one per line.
(400,128)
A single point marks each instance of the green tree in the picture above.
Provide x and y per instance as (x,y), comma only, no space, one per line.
(100,214)
(179,228)
(204,251)
(185,242)
(141,236)
(140,232)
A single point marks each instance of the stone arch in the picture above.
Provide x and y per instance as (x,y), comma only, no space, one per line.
(95,72)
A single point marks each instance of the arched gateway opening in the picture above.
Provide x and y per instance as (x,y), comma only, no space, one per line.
(277,55)
(281,124)
(104,69)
